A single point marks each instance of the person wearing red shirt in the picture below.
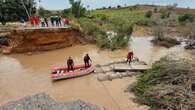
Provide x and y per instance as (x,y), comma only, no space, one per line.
(37,21)
(130,57)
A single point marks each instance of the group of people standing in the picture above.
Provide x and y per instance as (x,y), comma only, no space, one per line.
(55,21)
(70,62)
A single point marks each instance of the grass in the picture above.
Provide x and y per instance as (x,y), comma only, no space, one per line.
(132,16)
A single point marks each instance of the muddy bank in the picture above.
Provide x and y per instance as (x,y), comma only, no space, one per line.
(30,40)
(45,102)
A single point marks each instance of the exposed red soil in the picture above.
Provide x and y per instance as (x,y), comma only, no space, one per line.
(30,40)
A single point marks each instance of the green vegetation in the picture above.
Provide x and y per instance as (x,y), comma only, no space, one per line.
(76,8)
(108,31)
(43,12)
(12,10)
(132,16)
(113,33)
(96,23)
(148,14)
(167,86)
(186,18)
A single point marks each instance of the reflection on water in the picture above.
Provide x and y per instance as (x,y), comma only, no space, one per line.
(23,75)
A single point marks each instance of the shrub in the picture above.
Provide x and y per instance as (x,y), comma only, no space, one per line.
(146,22)
(186,17)
(88,26)
(148,14)
(101,39)
(121,25)
(155,10)
(167,85)
(102,17)
(123,30)
(165,14)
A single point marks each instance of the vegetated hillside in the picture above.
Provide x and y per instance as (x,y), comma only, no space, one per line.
(144,19)
(138,12)
(132,14)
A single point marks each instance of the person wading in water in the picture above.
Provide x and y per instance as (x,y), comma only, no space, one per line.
(86,60)
(130,57)
(70,64)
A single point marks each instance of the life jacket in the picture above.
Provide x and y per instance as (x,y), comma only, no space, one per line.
(130,55)
(70,62)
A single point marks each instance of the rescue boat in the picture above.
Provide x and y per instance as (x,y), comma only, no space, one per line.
(59,73)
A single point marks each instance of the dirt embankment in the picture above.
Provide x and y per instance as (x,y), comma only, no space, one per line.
(30,40)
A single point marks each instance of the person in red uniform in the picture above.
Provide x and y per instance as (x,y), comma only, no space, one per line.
(130,57)
(86,60)
(37,21)
(32,20)
(70,64)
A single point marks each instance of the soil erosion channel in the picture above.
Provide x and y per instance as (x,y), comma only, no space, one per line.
(23,75)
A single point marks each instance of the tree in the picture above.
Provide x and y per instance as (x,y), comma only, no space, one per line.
(77,8)
(118,6)
(155,10)
(43,12)
(12,10)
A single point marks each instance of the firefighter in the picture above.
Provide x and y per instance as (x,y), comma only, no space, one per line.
(130,57)
(70,64)
(86,60)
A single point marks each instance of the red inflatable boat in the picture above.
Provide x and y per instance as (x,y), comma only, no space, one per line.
(79,70)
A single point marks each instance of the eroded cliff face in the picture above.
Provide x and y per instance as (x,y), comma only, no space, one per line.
(30,40)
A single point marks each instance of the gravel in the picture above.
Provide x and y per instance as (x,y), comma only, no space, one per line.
(43,101)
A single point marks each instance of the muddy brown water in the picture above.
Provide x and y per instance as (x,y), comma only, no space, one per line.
(22,75)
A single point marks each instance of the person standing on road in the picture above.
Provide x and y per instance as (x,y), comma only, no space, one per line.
(37,21)
(56,19)
(46,22)
(60,20)
(42,22)
(52,21)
